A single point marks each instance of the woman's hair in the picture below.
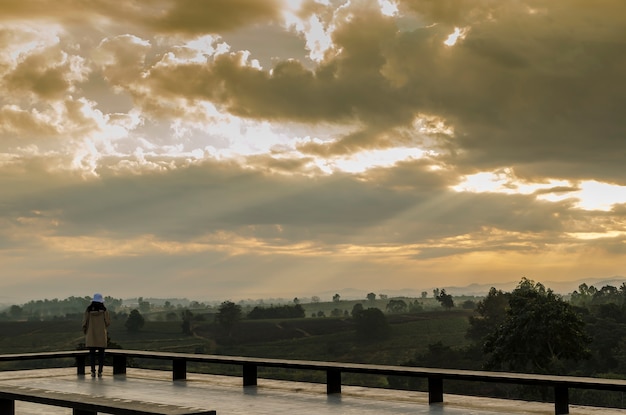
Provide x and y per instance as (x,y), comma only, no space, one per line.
(96,306)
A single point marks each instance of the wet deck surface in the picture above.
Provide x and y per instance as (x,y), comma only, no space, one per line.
(226,395)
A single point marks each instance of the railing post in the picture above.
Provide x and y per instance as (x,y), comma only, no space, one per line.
(119,364)
(7,406)
(333,381)
(80,364)
(249,374)
(179,369)
(435,389)
(561,400)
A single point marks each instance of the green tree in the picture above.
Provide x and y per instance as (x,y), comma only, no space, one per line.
(336,298)
(490,313)
(415,306)
(445,299)
(228,315)
(468,305)
(134,322)
(356,309)
(187,316)
(336,313)
(539,333)
(371,297)
(144,306)
(372,325)
(15,311)
(396,306)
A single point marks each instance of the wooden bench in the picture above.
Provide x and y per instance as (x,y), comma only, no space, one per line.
(87,404)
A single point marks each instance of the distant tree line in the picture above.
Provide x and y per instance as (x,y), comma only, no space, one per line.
(283,311)
(55,309)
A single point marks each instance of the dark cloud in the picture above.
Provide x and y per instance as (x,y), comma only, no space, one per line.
(187,203)
(200,17)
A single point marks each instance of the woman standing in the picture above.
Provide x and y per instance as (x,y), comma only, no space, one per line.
(95,323)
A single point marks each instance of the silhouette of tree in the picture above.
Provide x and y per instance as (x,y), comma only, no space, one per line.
(540,332)
(187,316)
(372,325)
(396,306)
(356,309)
(134,322)
(491,312)
(228,315)
(445,299)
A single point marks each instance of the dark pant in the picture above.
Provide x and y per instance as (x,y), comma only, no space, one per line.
(92,358)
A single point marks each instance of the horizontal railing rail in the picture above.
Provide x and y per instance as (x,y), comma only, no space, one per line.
(79,355)
(435,377)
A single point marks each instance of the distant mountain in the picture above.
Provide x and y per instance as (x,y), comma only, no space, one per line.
(478,290)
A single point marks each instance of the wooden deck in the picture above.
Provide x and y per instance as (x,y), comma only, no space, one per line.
(228,397)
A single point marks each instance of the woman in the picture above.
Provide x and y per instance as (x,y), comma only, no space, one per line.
(95,323)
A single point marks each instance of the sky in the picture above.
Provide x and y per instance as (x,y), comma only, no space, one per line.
(235,149)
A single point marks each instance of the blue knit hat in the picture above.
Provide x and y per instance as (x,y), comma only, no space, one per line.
(97,298)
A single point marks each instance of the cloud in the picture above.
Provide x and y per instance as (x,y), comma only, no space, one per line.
(192,141)
(193,16)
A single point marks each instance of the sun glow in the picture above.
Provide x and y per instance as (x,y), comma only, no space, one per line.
(388,8)
(590,195)
(455,36)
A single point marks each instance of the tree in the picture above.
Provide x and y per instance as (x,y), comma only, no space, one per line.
(283,311)
(356,309)
(540,332)
(415,307)
(187,316)
(468,305)
(371,297)
(371,325)
(396,306)
(445,299)
(134,322)
(491,312)
(336,298)
(15,311)
(228,315)
(336,313)
(144,306)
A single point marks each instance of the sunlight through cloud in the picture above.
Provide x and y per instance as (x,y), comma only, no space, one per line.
(455,36)
(591,195)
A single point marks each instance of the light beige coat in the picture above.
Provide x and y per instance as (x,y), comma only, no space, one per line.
(95,325)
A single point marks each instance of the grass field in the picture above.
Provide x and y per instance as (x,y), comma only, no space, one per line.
(331,339)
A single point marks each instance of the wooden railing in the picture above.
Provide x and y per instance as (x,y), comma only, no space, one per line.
(435,377)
